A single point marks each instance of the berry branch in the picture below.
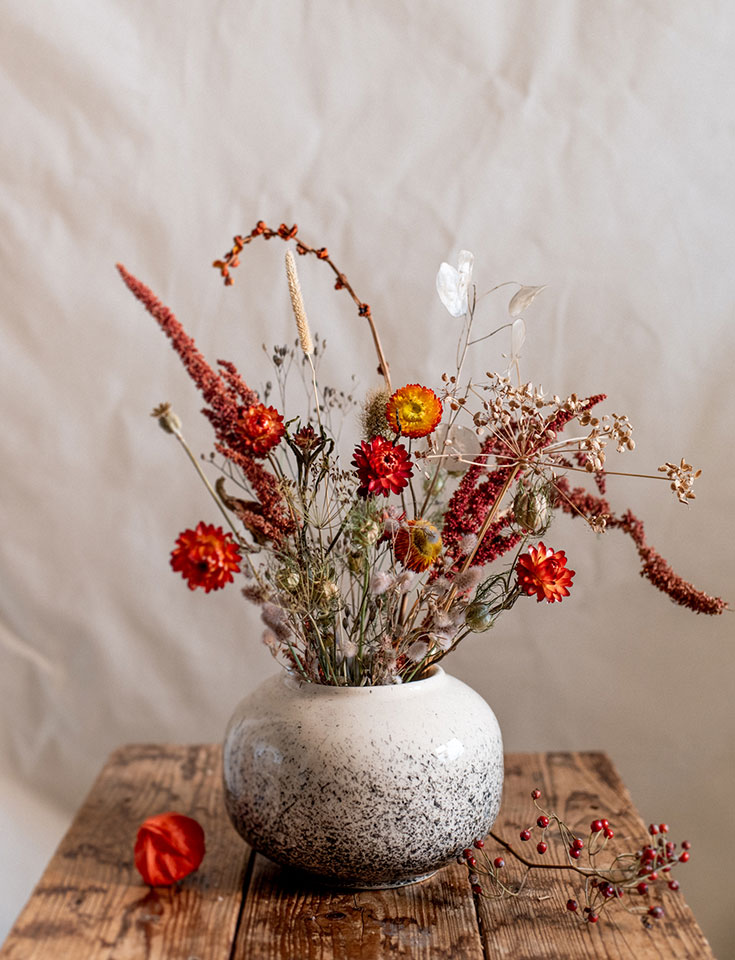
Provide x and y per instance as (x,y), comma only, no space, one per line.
(633,872)
(232,259)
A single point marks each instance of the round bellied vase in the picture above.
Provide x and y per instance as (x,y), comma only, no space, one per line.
(364,787)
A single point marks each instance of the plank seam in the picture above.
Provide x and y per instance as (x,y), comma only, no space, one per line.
(243,896)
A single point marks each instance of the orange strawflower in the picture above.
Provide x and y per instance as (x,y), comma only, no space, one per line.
(260,428)
(414,411)
(206,557)
(417,545)
(543,573)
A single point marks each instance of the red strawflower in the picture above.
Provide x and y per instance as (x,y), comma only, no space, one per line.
(260,428)
(543,573)
(168,848)
(206,557)
(383,467)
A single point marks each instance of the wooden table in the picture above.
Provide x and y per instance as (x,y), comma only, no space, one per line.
(91,903)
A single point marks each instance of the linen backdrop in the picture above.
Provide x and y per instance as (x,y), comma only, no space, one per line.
(586,146)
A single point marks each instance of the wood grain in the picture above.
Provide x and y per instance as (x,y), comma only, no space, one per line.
(287,916)
(91,902)
(579,787)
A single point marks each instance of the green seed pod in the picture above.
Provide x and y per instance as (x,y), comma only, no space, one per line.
(532,509)
(478,617)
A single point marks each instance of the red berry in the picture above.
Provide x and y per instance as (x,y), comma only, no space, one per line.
(541,847)
(609,833)
(577,843)
(536,794)
(653,877)
(525,835)
(686,845)
(656,912)
(663,827)
(653,829)
(596,826)
(673,884)
(543,821)
(572,905)
(574,854)
(683,857)
(479,844)
(605,823)
(467,853)
(498,862)
(642,888)
(593,918)
(619,892)
(476,888)
(471,862)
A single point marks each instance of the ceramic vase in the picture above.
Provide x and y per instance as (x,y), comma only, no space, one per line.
(363,787)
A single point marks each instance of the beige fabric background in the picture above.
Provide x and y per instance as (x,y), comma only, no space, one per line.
(589,146)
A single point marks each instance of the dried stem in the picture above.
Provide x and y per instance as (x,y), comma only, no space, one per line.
(232,259)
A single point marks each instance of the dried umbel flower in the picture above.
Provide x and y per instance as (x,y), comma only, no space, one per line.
(682,476)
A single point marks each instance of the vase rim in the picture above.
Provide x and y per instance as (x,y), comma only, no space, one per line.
(434,676)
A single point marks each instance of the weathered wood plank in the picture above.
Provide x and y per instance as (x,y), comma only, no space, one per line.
(91,902)
(536,925)
(286,916)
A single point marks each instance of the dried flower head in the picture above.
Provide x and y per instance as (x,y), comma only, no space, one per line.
(543,573)
(167,419)
(682,476)
(414,411)
(373,417)
(382,467)
(260,428)
(206,557)
(417,545)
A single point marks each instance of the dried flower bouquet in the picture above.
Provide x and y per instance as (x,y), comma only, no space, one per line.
(371,571)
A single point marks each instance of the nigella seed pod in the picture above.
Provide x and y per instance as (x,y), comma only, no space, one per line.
(478,617)
(532,509)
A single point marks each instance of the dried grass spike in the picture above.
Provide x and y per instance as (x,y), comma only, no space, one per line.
(297,302)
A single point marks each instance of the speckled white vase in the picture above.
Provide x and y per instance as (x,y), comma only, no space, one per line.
(365,787)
